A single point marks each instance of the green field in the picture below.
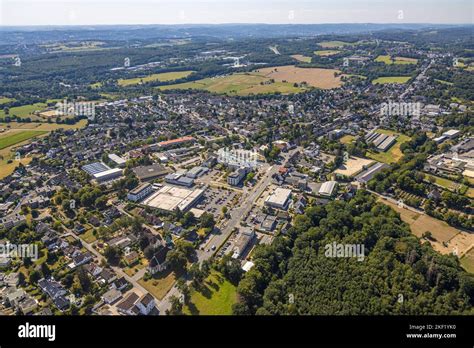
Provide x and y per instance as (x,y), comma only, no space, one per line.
(15,137)
(347,139)
(325,53)
(28,110)
(391,79)
(445,183)
(467,261)
(163,77)
(216,298)
(238,84)
(301,58)
(4,100)
(393,154)
(396,60)
(334,44)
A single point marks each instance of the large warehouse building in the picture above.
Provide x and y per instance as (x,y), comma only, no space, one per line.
(171,198)
(101,172)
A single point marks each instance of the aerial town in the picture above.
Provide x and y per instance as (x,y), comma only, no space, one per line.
(206,176)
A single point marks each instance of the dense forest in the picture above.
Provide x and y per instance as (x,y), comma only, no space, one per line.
(399,275)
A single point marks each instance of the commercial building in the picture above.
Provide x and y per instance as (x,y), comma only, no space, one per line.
(452,133)
(279,198)
(170,198)
(179,178)
(196,172)
(236,177)
(140,192)
(150,173)
(119,161)
(101,172)
(244,238)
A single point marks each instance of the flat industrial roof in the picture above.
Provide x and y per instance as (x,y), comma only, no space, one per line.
(279,196)
(107,172)
(171,197)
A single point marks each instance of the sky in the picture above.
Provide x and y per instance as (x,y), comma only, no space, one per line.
(103,12)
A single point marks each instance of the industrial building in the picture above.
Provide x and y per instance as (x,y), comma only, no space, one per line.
(140,192)
(150,173)
(369,173)
(279,198)
(171,198)
(119,161)
(381,141)
(101,172)
(327,188)
(179,178)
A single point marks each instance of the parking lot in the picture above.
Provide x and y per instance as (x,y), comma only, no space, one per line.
(214,199)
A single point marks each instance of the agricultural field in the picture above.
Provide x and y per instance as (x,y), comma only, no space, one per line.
(238,84)
(326,53)
(396,60)
(163,77)
(35,129)
(314,77)
(444,183)
(393,154)
(14,137)
(446,238)
(334,44)
(301,58)
(216,298)
(391,79)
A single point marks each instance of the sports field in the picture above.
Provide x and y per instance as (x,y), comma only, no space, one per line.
(396,60)
(163,77)
(391,79)
(28,110)
(353,166)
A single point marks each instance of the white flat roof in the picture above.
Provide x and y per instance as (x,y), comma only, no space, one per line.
(327,188)
(170,197)
(117,159)
(279,196)
(108,172)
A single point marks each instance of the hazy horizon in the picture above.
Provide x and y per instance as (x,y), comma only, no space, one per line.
(208,12)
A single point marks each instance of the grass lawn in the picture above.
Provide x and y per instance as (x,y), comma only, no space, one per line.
(89,236)
(467,261)
(159,284)
(216,298)
(15,137)
(397,60)
(391,79)
(347,139)
(169,76)
(393,154)
(325,53)
(445,183)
